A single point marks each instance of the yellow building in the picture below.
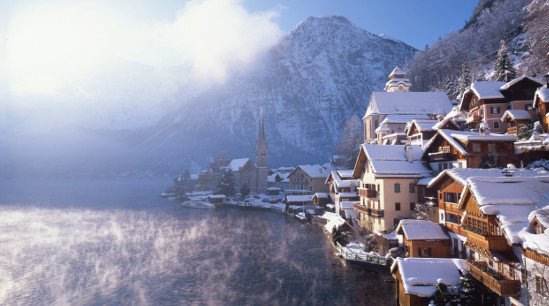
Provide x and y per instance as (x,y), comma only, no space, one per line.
(387,188)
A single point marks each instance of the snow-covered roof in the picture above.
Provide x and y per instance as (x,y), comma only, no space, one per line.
(440,124)
(347,204)
(516,80)
(397,72)
(348,194)
(421,230)
(533,241)
(510,199)
(334,220)
(322,195)
(392,161)
(420,276)
(273,189)
(425,181)
(488,89)
(516,114)
(396,118)
(462,174)
(409,103)
(543,94)
(345,174)
(315,171)
(424,125)
(299,198)
(236,164)
(343,183)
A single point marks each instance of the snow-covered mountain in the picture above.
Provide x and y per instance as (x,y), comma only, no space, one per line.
(312,81)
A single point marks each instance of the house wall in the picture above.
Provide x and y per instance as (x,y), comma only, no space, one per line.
(542,111)
(449,215)
(535,271)
(489,117)
(439,248)
(299,180)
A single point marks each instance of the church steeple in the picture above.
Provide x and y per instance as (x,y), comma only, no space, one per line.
(398,81)
(261,150)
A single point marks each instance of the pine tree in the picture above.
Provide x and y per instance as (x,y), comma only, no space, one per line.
(226,184)
(503,66)
(464,79)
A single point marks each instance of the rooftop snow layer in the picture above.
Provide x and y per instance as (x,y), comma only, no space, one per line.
(236,164)
(516,80)
(420,276)
(462,174)
(543,94)
(516,114)
(315,171)
(421,230)
(396,152)
(299,198)
(409,103)
(488,89)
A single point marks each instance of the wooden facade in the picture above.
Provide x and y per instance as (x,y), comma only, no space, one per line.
(403,299)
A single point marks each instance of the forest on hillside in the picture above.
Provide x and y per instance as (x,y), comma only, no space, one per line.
(458,58)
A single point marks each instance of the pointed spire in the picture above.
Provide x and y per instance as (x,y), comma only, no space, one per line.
(261,134)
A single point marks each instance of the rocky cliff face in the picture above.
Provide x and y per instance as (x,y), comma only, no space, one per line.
(309,84)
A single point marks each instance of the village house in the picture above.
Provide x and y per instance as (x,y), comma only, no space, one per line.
(459,149)
(279,178)
(486,101)
(321,199)
(396,106)
(541,104)
(420,131)
(308,179)
(495,221)
(422,238)
(343,190)
(416,279)
(387,188)
(244,172)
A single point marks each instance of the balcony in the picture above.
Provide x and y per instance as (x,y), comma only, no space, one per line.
(367,193)
(494,280)
(378,213)
(441,156)
(456,228)
(488,243)
(473,119)
(512,130)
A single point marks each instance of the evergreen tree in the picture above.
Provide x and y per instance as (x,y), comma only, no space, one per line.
(226,184)
(464,79)
(503,66)
(470,295)
(244,191)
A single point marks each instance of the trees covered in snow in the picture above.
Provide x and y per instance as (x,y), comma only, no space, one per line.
(226,184)
(537,36)
(503,66)
(349,144)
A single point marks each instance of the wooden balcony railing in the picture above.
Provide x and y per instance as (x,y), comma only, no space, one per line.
(473,119)
(512,130)
(488,243)
(378,213)
(493,280)
(456,228)
(368,193)
(439,156)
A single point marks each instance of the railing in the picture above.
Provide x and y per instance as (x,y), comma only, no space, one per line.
(512,130)
(493,279)
(456,228)
(373,259)
(369,211)
(368,193)
(441,156)
(488,243)
(378,213)
(473,119)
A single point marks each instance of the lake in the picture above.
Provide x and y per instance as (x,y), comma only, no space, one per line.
(85,242)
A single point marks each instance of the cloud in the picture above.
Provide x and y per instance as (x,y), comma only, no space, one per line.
(212,36)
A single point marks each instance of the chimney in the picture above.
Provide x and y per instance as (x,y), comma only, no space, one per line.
(410,151)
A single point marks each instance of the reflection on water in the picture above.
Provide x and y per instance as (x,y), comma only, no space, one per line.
(117,242)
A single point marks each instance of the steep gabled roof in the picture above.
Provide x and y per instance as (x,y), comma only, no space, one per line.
(516,114)
(541,94)
(236,164)
(409,103)
(520,79)
(391,161)
(314,171)
(456,138)
(462,174)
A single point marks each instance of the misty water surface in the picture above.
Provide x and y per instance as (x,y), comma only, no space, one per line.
(118,242)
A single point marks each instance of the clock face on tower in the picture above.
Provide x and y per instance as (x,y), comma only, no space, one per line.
(400,87)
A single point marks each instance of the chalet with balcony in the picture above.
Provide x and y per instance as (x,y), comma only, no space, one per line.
(387,188)
(343,189)
(422,238)
(308,179)
(515,119)
(486,101)
(459,149)
(541,104)
(496,213)
(416,279)
(420,131)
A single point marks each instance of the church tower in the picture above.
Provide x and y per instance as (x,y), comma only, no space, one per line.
(261,157)
(398,81)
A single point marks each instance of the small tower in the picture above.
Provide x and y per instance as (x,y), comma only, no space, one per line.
(261,157)
(398,81)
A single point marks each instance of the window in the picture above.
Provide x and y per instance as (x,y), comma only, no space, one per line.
(397,206)
(496,125)
(494,110)
(424,252)
(412,188)
(541,285)
(412,206)
(397,187)
(492,147)
(476,147)
(450,197)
